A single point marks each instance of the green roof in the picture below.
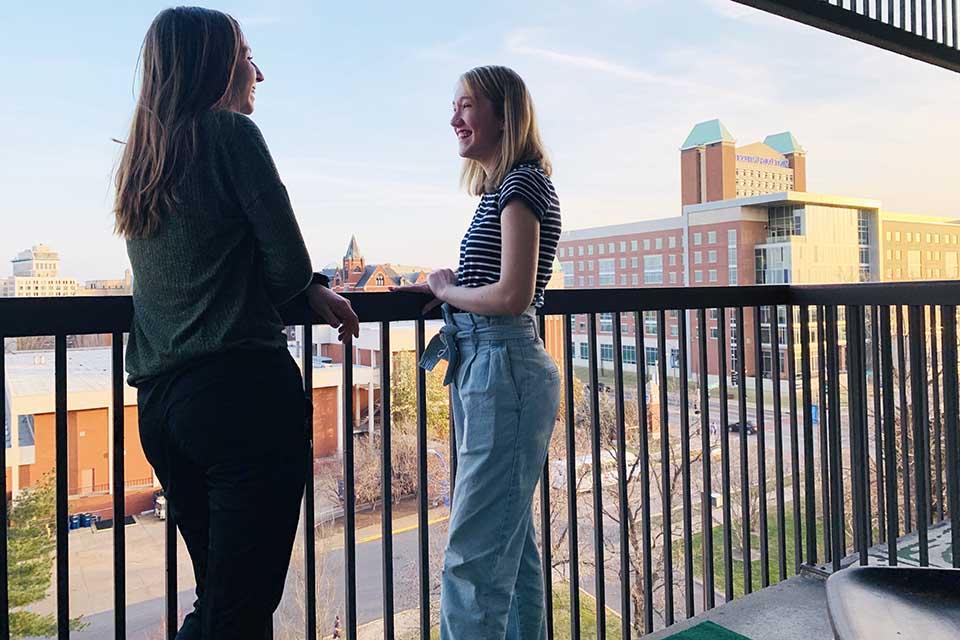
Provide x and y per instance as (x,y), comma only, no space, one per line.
(707,133)
(783,142)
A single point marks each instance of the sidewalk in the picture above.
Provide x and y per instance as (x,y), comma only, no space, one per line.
(404,520)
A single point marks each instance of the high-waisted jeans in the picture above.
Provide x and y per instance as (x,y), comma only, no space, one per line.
(506,393)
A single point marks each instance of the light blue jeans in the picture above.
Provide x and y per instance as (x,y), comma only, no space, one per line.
(506,393)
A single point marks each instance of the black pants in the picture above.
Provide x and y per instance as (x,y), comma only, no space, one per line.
(227,440)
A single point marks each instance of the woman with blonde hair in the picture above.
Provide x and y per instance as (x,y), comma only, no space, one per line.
(506,388)
(215,249)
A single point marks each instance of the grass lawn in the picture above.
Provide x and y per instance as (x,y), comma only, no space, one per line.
(561,616)
(738,565)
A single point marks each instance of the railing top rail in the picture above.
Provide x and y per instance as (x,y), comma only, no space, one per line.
(21,317)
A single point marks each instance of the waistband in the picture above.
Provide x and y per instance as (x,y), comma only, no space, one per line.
(471,327)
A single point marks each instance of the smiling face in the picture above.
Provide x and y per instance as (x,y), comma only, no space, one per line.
(243,89)
(476,125)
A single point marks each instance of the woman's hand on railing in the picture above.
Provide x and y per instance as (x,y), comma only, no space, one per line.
(436,284)
(335,310)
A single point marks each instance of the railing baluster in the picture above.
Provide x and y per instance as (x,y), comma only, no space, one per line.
(794,441)
(824,440)
(951,410)
(572,533)
(706,497)
(309,516)
(904,421)
(646,533)
(595,449)
(921,431)
(810,497)
(349,496)
(889,436)
(666,477)
(423,533)
(119,492)
(4,503)
(386,475)
(723,355)
(170,593)
(761,449)
(778,445)
(878,422)
(836,486)
(546,555)
(624,507)
(854,336)
(685,471)
(63,569)
(744,455)
(936,413)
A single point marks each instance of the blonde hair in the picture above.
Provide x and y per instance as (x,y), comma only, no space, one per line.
(520,141)
(189,57)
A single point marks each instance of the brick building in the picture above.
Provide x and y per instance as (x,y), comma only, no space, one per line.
(745,219)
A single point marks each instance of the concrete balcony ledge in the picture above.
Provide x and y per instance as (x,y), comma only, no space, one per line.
(795,609)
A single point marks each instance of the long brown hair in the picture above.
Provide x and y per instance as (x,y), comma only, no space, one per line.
(521,140)
(189,56)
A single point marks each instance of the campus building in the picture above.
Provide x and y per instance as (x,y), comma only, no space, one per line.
(746,219)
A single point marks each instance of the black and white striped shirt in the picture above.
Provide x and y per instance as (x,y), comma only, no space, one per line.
(480,249)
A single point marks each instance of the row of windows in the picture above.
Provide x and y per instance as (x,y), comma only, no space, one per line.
(629,354)
(649,244)
(916,236)
(607,265)
(765,175)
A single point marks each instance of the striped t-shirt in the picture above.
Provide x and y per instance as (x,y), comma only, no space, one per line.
(480,248)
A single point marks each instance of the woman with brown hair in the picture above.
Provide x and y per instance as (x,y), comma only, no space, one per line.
(215,249)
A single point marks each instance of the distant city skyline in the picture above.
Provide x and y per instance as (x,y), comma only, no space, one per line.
(355,109)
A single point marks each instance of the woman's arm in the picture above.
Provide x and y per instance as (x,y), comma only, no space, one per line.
(513,293)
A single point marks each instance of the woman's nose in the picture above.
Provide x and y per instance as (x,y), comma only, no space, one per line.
(259,73)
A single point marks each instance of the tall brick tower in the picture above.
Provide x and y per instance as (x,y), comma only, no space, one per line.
(708,161)
(353,263)
(788,145)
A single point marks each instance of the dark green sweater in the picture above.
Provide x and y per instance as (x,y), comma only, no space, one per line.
(211,277)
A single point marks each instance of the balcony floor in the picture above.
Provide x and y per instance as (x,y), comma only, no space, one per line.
(795,609)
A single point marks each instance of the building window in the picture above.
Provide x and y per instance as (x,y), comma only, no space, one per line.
(711,237)
(610,247)
(379,279)
(653,269)
(698,276)
(697,238)
(623,263)
(713,275)
(673,277)
(623,279)
(606,352)
(673,259)
(697,257)
(601,249)
(658,243)
(635,279)
(568,274)
(783,222)
(650,322)
(633,245)
(584,351)
(712,257)
(651,356)
(590,250)
(623,245)
(629,354)
(635,262)
(672,242)
(580,250)
(607,276)
(606,322)
(646,244)
(674,330)
(560,252)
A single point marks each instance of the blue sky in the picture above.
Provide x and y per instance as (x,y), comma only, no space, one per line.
(356,104)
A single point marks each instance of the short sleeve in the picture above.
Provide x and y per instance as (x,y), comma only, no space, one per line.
(530,186)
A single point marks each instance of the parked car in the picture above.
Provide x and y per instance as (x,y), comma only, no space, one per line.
(160,505)
(734,427)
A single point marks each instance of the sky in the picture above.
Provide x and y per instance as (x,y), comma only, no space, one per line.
(356,107)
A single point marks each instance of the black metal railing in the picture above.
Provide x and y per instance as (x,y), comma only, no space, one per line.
(926,30)
(870,453)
